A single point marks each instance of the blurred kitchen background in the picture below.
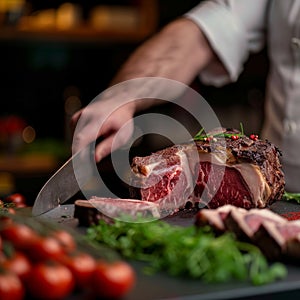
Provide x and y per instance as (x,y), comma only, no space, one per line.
(56,56)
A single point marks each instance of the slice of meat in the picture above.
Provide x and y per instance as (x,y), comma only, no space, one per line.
(214,217)
(279,240)
(289,230)
(89,212)
(277,237)
(244,172)
(293,247)
(268,239)
(244,224)
(88,215)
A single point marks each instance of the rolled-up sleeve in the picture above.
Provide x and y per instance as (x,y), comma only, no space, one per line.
(234,29)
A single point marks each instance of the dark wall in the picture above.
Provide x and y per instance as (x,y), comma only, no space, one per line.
(35,74)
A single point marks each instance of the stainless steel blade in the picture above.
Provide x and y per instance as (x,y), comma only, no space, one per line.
(63,184)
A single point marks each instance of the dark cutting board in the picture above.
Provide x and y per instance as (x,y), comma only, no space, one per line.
(162,286)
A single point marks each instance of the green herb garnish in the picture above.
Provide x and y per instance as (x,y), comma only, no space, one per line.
(291,197)
(201,136)
(187,251)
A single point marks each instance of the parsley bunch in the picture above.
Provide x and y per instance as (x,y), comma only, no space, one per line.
(187,251)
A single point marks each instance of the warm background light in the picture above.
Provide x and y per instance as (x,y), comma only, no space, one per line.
(28,134)
(72,104)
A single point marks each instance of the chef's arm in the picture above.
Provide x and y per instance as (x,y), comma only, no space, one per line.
(178,52)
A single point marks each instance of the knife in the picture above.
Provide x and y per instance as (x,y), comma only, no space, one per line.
(66,181)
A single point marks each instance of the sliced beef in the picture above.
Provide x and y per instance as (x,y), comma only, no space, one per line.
(214,217)
(278,238)
(244,224)
(241,171)
(90,212)
(88,215)
(293,247)
(268,240)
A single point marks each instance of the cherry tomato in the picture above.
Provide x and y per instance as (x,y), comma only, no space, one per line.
(113,280)
(50,281)
(2,256)
(18,264)
(11,211)
(11,287)
(20,235)
(20,205)
(65,239)
(13,124)
(82,265)
(5,218)
(16,199)
(45,248)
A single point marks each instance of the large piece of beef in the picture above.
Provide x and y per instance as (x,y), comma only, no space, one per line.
(243,171)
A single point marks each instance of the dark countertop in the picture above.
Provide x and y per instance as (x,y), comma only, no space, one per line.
(162,286)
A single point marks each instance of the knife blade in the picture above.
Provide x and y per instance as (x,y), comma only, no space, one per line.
(64,183)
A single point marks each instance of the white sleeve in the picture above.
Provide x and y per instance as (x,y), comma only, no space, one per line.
(234,28)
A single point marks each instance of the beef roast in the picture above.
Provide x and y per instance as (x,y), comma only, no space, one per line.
(243,171)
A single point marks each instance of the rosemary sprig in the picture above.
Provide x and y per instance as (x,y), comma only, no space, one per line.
(201,136)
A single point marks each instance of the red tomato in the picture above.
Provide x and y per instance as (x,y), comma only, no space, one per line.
(6,219)
(14,124)
(45,248)
(65,239)
(16,199)
(11,287)
(113,280)
(11,211)
(20,205)
(2,258)
(18,264)
(20,235)
(50,281)
(82,266)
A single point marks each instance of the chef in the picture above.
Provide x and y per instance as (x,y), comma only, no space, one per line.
(213,41)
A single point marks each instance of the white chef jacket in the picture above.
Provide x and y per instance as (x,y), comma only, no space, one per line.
(235,29)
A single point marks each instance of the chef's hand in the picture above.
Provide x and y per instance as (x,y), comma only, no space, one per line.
(89,118)
(159,57)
